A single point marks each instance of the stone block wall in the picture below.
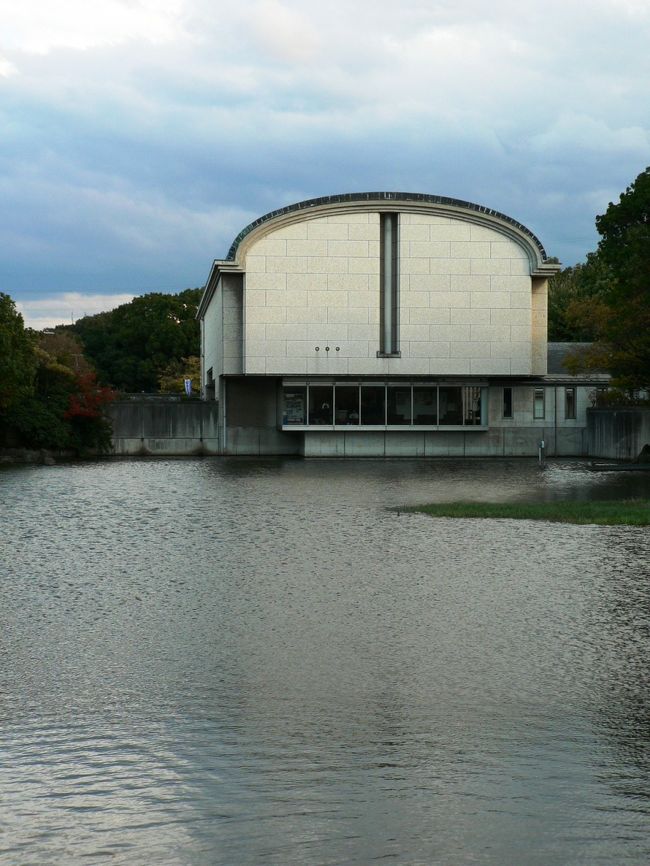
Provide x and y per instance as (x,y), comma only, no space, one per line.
(466,305)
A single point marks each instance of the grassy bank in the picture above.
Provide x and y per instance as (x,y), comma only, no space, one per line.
(634,512)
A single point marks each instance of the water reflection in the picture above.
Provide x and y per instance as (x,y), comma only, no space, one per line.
(253,661)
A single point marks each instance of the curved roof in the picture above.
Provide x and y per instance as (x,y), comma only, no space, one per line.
(414,197)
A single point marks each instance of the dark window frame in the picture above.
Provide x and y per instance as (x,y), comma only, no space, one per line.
(570,399)
(507,403)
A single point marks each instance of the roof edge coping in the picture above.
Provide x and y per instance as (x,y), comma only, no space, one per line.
(353,197)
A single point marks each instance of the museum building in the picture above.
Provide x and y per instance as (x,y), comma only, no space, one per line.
(387,324)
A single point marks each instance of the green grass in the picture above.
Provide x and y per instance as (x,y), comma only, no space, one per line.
(632,512)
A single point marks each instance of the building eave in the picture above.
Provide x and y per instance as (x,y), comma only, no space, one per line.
(219,266)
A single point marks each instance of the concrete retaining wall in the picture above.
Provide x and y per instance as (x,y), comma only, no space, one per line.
(618,434)
(164,428)
(496,442)
(151,427)
(252,416)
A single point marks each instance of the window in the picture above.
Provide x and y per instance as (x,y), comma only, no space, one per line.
(379,404)
(388,275)
(472,406)
(373,404)
(538,403)
(295,406)
(321,404)
(507,402)
(399,404)
(570,403)
(425,404)
(347,404)
(451,405)
(210,385)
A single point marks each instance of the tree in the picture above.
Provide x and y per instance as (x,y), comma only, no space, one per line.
(48,394)
(131,345)
(38,419)
(625,235)
(571,296)
(620,316)
(64,348)
(17,356)
(172,378)
(625,248)
(90,429)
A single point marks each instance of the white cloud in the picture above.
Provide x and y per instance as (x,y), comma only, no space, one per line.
(7,68)
(284,33)
(37,27)
(66,307)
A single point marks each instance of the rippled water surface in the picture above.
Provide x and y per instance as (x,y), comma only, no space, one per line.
(256,662)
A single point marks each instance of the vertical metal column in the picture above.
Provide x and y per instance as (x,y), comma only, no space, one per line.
(388,285)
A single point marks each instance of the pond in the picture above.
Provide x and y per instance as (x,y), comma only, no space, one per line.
(233,661)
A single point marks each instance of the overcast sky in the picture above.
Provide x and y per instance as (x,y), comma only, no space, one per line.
(139,136)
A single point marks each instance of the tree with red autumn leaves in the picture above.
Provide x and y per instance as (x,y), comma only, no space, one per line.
(50,397)
(90,428)
(90,398)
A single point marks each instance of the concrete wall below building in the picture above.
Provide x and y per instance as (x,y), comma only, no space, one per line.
(252,416)
(617,434)
(500,442)
(166,429)
(251,427)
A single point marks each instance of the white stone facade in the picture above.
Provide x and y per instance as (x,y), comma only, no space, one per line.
(297,313)
(468,304)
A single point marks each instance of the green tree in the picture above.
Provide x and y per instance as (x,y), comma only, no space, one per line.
(38,420)
(49,397)
(17,356)
(172,378)
(131,345)
(620,316)
(625,248)
(570,296)
(64,348)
